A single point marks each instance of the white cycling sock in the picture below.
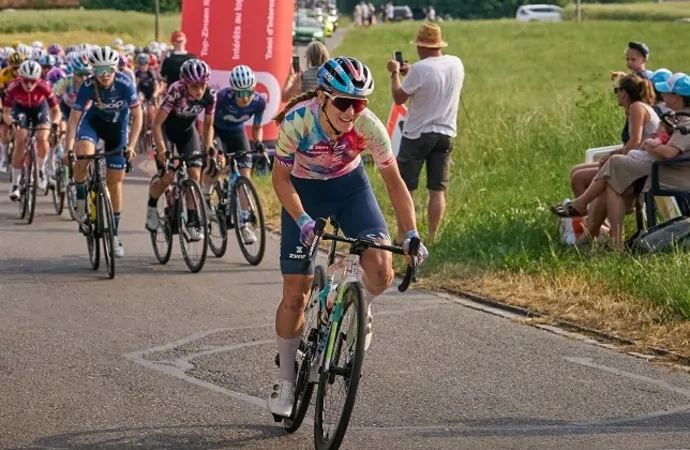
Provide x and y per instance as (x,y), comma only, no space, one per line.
(3,152)
(368,297)
(287,349)
(16,174)
(40,162)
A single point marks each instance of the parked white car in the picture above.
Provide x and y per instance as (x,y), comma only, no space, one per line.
(539,13)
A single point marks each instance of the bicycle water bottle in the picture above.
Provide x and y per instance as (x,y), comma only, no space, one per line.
(92,205)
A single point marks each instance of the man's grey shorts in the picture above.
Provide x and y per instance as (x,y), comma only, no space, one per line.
(432,148)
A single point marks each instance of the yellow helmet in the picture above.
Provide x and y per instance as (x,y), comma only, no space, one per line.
(16,44)
(16,59)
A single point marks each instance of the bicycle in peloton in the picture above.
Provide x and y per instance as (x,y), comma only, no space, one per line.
(99,225)
(331,348)
(28,182)
(226,211)
(173,214)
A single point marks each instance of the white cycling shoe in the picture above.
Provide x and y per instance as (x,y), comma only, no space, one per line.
(281,398)
(118,250)
(151,218)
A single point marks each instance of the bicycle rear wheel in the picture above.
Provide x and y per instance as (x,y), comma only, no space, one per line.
(304,388)
(194,261)
(253,220)
(164,230)
(345,366)
(218,224)
(106,226)
(32,186)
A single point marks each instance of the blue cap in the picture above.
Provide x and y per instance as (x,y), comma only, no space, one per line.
(660,75)
(678,83)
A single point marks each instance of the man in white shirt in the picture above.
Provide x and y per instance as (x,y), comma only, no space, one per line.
(433,86)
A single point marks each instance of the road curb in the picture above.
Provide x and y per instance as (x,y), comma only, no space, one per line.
(562,327)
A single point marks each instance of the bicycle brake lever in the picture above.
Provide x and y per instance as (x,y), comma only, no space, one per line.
(318,232)
(412,272)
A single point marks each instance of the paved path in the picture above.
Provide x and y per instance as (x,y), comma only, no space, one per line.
(159,358)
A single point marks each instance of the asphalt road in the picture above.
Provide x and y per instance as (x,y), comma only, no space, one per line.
(160,358)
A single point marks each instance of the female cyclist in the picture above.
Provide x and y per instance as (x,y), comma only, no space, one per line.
(30,101)
(175,123)
(147,83)
(112,96)
(320,174)
(236,105)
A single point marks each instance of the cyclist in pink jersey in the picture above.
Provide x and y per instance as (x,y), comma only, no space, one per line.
(320,174)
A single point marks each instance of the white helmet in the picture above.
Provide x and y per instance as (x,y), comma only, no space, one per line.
(104,57)
(36,53)
(37,44)
(117,42)
(30,69)
(25,51)
(130,48)
(242,78)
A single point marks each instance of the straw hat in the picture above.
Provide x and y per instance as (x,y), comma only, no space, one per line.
(429,36)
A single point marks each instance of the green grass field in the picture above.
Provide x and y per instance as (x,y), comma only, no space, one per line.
(537,96)
(77,26)
(639,11)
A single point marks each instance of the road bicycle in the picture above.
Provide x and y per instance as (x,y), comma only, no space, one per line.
(99,224)
(173,215)
(226,210)
(330,348)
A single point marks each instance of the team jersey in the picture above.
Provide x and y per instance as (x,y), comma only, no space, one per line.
(16,94)
(109,104)
(183,109)
(66,90)
(303,144)
(146,79)
(6,77)
(232,117)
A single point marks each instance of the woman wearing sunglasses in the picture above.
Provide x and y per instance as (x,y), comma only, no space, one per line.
(236,105)
(175,123)
(30,101)
(320,174)
(112,96)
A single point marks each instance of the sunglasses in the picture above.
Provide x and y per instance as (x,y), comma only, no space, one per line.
(344,103)
(103,70)
(244,94)
(82,74)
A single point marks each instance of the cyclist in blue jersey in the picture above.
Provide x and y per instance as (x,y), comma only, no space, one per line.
(319,173)
(235,105)
(111,96)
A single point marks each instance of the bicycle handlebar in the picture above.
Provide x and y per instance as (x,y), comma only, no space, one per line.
(411,274)
(682,129)
(73,157)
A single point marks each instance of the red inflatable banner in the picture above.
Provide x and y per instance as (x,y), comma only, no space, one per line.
(258,33)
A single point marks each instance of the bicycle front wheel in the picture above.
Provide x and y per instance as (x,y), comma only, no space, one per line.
(161,239)
(59,190)
(218,223)
(305,387)
(106,225)
(32,186)
(330,423)
(250,228)
(93,238)
(193,235)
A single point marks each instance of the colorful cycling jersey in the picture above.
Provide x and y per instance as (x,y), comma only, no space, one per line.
(304,145)
(232,117)
(6,77)
(110,103)
(146,79)
(66,90)
(16,94)
(182,109)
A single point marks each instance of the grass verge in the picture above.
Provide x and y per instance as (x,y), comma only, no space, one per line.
(77,26)
(642,11)
(537,96)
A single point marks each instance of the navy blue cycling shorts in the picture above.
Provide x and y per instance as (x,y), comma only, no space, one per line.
(349,199)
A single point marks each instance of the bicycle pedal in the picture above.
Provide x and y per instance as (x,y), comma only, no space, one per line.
(277,418)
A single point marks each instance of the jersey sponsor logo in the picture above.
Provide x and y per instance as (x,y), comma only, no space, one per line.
(232,118)
(320,149)
(119,104)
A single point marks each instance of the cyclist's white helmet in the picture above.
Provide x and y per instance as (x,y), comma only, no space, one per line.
(37,44)
(104,57)
(130,48)
(242,78)
(117,42)
(25,51)
(30,69)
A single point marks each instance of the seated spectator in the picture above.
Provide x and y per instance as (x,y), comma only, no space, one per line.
(613,187)
(636,96)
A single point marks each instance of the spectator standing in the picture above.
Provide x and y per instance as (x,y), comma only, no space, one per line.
(170,70)
(433,85)
(301,82)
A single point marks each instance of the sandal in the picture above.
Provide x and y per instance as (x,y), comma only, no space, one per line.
(566,210)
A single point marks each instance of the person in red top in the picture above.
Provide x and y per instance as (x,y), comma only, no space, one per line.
(30,100)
